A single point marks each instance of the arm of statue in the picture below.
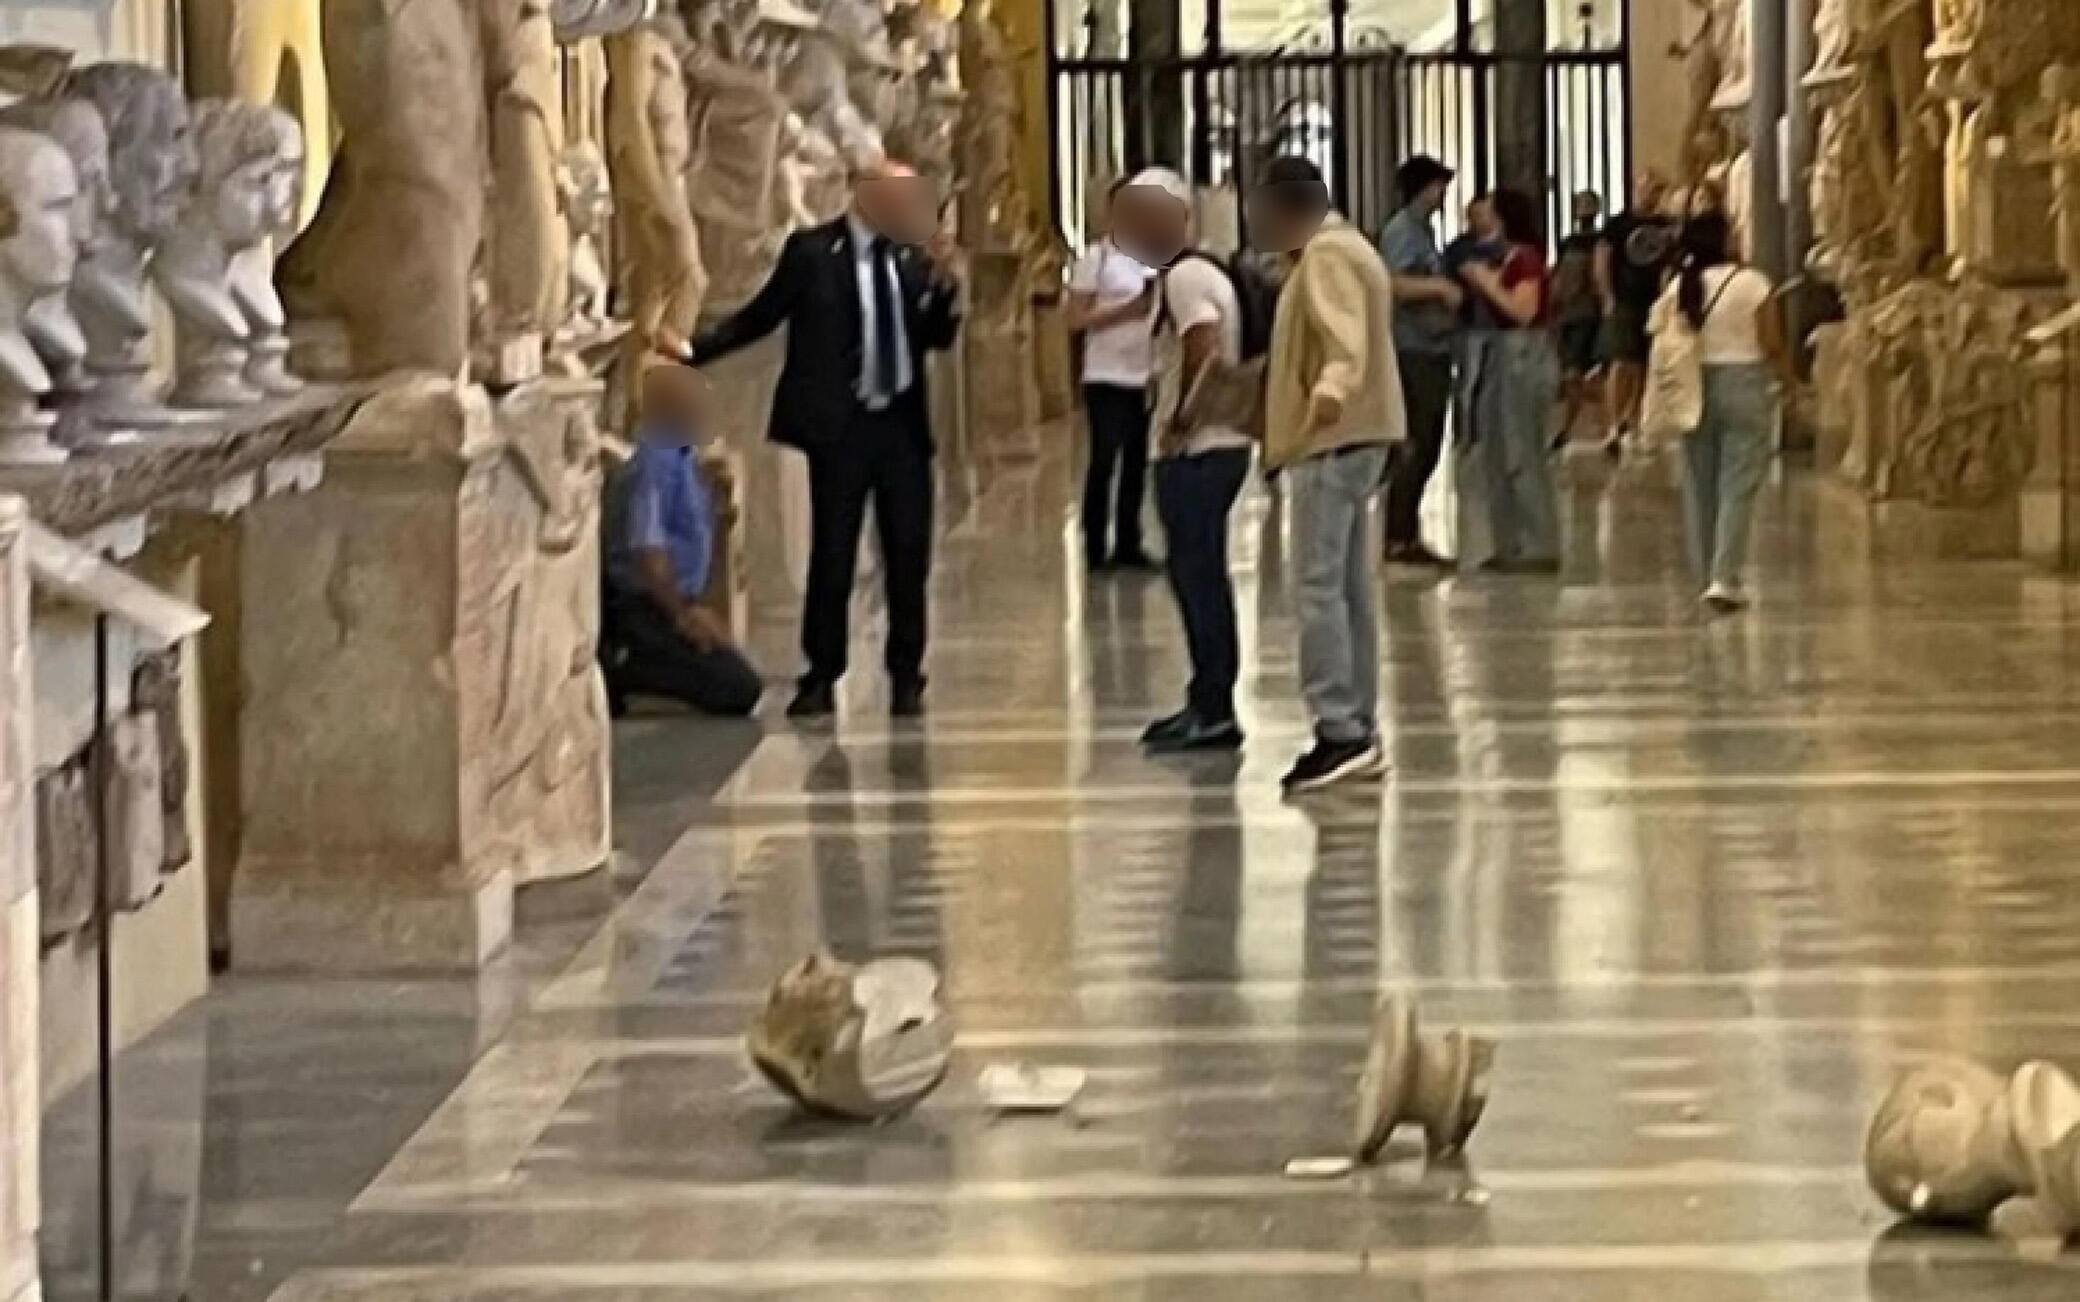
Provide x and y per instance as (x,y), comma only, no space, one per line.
(768,310)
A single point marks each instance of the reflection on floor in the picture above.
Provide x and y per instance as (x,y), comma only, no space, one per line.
(1709,884)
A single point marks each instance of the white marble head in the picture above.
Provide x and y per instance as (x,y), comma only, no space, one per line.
(39,195)
(250,165)
(77,128)
(151,158)
(587,197)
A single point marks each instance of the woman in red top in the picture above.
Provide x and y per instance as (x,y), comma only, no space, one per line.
(1520,382)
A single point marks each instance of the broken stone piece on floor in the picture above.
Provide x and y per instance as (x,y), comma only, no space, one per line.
(862,1043)
(1440,1084)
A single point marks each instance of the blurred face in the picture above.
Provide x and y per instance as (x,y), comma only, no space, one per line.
(1150,225)
(898,205)
(1481,219)
(1431,200)
(1587,208)
(675,404)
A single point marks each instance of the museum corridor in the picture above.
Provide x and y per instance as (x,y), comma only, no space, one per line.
(1707,884)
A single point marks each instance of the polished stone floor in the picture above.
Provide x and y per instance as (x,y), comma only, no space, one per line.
(1708,883)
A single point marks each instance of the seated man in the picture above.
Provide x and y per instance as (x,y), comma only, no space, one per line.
(656,639)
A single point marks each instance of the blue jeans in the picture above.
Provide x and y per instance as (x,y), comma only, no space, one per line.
(1516,381)
(1724,463)
(1193,497)
(1331,500)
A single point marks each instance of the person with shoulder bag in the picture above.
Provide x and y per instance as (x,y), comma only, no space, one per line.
(1719,359)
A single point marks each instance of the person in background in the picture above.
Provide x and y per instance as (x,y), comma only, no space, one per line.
(1746,357)
(864,298)
(1110,298)
(1578,310)
(1334,408)
(1426,326)
(656,638)
(1479,241)
(1519,381)
(1201,460)
(1632,262)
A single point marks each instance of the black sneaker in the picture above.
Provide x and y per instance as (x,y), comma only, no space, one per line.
(906,700)
(1170,725)
(815,700)
(1331,762)
(1136,563)
(1198,733)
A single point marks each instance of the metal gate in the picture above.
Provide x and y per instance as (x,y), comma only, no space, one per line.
(1356,112)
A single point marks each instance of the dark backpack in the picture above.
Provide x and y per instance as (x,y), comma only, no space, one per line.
(1256,298)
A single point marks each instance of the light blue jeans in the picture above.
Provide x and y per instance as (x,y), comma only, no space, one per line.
(1724,463)
(1331,502)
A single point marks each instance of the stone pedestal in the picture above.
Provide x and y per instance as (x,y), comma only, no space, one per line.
(424,726)
(20,1113)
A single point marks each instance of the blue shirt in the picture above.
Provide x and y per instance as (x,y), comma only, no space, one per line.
(667,507)
(870,327)
(1409,245)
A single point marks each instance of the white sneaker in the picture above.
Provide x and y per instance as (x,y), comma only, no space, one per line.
(1724,599)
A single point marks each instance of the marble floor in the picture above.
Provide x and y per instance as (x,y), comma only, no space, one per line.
(1709,884)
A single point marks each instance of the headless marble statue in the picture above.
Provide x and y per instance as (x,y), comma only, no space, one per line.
(588,205)
(213,267)
(38,253)
(151,165)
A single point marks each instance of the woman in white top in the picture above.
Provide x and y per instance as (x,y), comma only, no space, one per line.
(1740,330)
(1110,297)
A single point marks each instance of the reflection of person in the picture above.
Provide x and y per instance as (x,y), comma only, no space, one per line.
(656,638)
(1426,323)
(1577,308)
(1632,260)
(1741,342)
(1519,380)
(863,306)
(1110,298)
(1333,410)
(1201,462)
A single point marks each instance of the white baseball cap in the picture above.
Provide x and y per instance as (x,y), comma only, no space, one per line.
(1169,182)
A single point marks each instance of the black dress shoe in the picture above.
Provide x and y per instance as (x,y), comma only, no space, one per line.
(1163,729)
(1200,734)
(815,700)
(906,700)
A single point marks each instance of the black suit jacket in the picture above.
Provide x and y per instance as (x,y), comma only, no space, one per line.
(814,292)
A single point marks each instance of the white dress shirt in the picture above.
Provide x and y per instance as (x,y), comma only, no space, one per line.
(870,329)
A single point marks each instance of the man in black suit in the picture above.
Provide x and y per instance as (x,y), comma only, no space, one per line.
(864,300)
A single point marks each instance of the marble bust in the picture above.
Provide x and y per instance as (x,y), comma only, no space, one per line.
(78,130)
(222,297)
(151,166)
(252,271)
(39,193)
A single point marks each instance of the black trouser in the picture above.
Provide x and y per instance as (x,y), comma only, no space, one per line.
(883,457)
(643,654)
(1119,439)
(1193,497)
(1426,386)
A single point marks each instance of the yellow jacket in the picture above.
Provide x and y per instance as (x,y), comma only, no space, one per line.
(1334,335)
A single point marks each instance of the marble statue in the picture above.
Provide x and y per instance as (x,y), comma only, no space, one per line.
(213,266)
(1831,42)
(1730,29)
(39,194)
(1439,1084)
(860,1043)
(1902,33)
(588,208)
(252,272)
(265,52)
(737,109)
(77,128)
(152,166)
(580,20)
(2062,90)
(649,147)
(439,241)
(1955,1144)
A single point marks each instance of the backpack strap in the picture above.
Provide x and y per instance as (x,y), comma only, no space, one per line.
(1724,285)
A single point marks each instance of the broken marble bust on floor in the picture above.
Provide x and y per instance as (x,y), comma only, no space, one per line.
(1440,1084)
(860,1043)
(1955,1144)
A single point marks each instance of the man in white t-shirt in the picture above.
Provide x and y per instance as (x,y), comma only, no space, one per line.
(1200,467)
(1110,297)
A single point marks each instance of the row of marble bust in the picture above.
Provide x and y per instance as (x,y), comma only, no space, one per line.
(113,186)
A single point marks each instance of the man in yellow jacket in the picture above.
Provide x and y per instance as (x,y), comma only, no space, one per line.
(1333,410)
